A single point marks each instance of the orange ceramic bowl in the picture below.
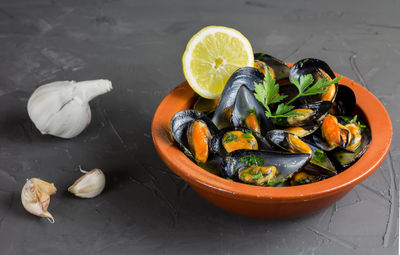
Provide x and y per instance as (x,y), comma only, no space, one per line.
(272,202)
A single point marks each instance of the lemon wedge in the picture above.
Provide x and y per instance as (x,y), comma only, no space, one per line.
(211,57)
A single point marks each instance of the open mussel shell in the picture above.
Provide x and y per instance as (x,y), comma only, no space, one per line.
(180,123)
(313,114)
(310,66)
(286,163)
(217,142)
(246,104)
(343,158)
(280,69)
(246,76)
(318,69)
(319,163)
(345,102)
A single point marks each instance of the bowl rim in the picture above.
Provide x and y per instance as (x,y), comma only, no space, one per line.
(181,98)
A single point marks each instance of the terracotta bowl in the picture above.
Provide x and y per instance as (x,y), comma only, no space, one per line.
(272,202)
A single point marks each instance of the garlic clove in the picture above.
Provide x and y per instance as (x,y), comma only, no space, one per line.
(89,185)
(61,108)
(35,197)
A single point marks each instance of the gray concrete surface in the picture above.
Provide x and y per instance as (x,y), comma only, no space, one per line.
(146,209)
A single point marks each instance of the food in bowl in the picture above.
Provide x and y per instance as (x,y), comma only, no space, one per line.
(274,125)
(242,140)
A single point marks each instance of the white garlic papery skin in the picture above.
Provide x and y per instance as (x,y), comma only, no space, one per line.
(35,197)
(89,185)
(61,108)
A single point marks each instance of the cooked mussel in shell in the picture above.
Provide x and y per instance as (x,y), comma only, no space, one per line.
(278,69)
(319,164)
(248,112)
(308,115)
(271,167)
(193,131)
(245,76)
(230,139)
(319,70)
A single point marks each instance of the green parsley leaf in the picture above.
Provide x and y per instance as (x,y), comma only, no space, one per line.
(267,93)
(229,179)
(320,85)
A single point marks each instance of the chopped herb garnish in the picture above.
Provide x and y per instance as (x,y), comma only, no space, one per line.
(235,168)
(275,180)
(229,179)
(319,156)
(251,170)
(244,135)
(268,93)
(230,137)
(249,160)
(252,111)
(257,175)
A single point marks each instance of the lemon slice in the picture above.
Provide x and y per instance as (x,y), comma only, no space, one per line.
(211,56)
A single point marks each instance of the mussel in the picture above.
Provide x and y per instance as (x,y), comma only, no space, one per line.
(309,115)
(343,158)
(319,164)
(245,76)
(230,139)
(319,70)
(278,69)
(248,112)
(193,131)
(335,132)
(345,138)
(345,102)
(271,167)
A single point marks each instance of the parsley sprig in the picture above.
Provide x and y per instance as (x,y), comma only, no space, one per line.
(350,120)
(268,93)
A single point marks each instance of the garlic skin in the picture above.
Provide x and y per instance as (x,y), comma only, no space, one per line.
(35,197)
(61,108)
(89,185)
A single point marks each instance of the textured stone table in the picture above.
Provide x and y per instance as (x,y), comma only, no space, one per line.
(145,208)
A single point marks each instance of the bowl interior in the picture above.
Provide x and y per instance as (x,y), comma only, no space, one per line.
(368,106)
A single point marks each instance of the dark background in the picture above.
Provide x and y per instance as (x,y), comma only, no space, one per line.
(138,45)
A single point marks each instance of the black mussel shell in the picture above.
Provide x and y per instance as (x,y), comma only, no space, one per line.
(246,76)
(286,163)
(180,123)
(280,68)
(345,102)
(217,147)
(246,102)
(319,163)
(344,159)
(320,108)
(311,66)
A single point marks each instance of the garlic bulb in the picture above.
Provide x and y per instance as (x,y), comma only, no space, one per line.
(35,197)
(61,108)
(89,185)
